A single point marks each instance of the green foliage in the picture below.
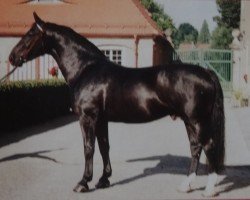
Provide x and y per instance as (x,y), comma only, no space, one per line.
(221,37)
(158,15)
(186,33)
(27,85)
(229,19)
(230,13)
(29,102)
(204,35)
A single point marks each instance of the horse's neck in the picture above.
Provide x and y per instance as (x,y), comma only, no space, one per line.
(71,57)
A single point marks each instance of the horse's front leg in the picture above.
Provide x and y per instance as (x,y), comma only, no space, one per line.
(103,142)
(88,132)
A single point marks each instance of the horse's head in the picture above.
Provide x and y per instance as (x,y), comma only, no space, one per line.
(31,45)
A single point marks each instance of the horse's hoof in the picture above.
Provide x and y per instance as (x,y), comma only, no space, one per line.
(81,188)
(208,194)
(103,183)
(183,188)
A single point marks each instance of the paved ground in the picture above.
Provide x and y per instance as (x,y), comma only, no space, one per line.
(149,161)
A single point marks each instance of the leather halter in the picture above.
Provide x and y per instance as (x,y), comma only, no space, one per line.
(34,42)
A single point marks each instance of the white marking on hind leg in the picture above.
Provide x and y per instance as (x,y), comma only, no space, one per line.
(186,184)
(210,188)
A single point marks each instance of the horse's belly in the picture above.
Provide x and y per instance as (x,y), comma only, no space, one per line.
(138,113)
(135,103)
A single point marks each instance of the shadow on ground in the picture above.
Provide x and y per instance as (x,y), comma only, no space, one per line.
(236,177)
(11,137)
(38,154)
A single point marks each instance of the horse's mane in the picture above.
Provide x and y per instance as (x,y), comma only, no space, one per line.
(75,37)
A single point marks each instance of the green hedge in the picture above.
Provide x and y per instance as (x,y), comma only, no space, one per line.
(27,103)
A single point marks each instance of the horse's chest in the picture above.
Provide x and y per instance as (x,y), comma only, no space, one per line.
(87,98)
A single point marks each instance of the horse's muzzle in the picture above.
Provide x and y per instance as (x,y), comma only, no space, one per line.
(17,62)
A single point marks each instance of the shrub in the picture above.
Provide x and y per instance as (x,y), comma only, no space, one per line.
(27,103)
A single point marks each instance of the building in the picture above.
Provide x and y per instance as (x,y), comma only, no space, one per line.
(123,30)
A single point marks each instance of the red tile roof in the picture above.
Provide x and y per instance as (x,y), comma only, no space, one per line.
(92,18)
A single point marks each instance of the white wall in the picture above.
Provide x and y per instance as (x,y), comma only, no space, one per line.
(6,44)
(145,50)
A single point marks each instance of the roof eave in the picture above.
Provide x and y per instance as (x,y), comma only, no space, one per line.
(20,33)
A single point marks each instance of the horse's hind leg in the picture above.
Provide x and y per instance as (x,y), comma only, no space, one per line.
(212,172)
(88,128)
(103,142)
(193,130)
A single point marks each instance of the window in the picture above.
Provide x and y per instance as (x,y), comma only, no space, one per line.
(114,55)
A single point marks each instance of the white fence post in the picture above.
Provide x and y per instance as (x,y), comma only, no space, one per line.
(240,86)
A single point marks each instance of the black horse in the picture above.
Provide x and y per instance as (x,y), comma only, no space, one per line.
(103,91)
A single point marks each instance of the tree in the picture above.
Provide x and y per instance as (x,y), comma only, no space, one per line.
(221,38)
(162,20)
(204,35)
(186,33)
(230,13)
(229,19)
(158,15)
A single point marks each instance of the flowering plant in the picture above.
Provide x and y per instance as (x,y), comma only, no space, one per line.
(53,71)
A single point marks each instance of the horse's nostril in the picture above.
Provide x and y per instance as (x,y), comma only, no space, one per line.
(11,58)
(22,59)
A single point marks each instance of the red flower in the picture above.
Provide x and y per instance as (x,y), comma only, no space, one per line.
(53,71)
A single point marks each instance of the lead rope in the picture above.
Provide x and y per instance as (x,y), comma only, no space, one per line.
(4,79)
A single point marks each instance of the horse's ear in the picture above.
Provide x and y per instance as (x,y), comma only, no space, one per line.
(40,23)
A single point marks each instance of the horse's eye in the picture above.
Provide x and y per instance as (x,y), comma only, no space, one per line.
(26,44)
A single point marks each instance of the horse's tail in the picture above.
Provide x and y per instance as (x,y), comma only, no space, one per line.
(218,125)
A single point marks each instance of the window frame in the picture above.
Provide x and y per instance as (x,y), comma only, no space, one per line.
(114,57)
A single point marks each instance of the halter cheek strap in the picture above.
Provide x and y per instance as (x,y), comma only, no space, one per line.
(39,27)
(41,37)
